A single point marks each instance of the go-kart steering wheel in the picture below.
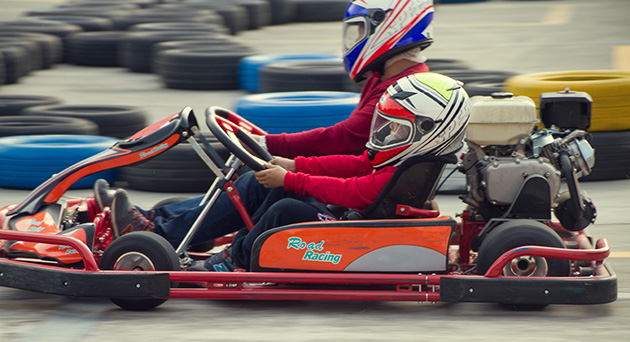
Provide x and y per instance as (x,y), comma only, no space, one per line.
(228,128)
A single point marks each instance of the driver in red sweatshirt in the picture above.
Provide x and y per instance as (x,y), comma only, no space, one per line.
(421,114)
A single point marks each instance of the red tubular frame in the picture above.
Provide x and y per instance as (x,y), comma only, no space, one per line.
(598,255)
(54,239)
(308,286)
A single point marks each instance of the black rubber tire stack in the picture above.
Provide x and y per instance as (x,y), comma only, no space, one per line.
(320,10)
(302,76)
(52,46)
(11,125)
(99,48)
(87,23)
(209,68)
(177,170)
(113,121)
(136,47)
(14,104)
(59,29)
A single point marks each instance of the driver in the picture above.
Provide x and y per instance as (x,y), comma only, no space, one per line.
(420,114)
(382,42)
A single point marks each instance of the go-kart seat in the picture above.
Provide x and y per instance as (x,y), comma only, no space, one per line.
(413,184)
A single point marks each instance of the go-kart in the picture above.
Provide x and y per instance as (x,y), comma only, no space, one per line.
(505,248)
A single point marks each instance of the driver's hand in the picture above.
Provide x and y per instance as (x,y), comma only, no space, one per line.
(286,163)
(272,177)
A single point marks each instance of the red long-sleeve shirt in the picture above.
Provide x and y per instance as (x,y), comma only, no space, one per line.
(346,180)
(346,137)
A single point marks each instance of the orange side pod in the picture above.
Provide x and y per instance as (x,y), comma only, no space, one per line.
(414,245)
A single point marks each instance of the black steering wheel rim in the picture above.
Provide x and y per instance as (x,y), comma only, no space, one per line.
(230,141)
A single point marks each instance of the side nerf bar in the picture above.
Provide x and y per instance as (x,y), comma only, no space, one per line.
(598,289)
(494,288)
(89,282)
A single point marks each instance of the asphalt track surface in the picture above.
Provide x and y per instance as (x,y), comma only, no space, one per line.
(518,36)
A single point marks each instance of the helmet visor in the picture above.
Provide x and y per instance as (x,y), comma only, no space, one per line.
(354,31)
(389,132)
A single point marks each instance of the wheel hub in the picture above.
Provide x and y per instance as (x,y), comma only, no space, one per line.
(134,261)
(526,266)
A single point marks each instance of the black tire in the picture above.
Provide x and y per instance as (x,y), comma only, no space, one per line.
(84,22)
(470,76)
(136,50)
(100,48)
(102,5)
(56,28)
(517,233)
(159,15)
(219,44)
(282,11)
(200,68)
(485,87)
(79,11)
(52,46)
(16,63)
(2,69)
(177,170)
(36,125)
(59,29)
(177,26)
(113,121)
(320,75)
(33,50)
(258,11)
(235,18)
(14,104)
(612,156)
(320,10)
(439,64)
(140,251)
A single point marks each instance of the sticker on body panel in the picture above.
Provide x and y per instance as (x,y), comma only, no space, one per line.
(313,251)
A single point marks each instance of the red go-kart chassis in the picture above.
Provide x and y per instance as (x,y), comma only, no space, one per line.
(453,286)
(600,287)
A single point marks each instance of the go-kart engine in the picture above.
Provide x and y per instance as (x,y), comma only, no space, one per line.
(511,164)
(498,180)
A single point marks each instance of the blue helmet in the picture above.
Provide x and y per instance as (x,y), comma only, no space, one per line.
(375,30)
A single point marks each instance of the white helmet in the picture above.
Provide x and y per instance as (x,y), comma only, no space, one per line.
(420,114)
(375,30)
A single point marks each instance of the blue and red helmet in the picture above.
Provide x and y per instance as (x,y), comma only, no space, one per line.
(375,30)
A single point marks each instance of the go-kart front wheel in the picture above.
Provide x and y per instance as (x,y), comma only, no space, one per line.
(140,251)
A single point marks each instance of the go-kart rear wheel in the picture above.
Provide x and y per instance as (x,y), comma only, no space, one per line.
(513,234)
(517,233)
(140,251)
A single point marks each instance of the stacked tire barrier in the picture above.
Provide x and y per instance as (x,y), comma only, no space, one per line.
(177,170)
(610,120)
(289,112)
(27,161)
(113,121)
(105,33)
(250,67)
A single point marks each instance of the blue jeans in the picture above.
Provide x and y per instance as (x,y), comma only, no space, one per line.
(281,208)
(174,220)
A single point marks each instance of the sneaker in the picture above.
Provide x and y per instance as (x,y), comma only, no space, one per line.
(103,194)
(125,217)
(220,262)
